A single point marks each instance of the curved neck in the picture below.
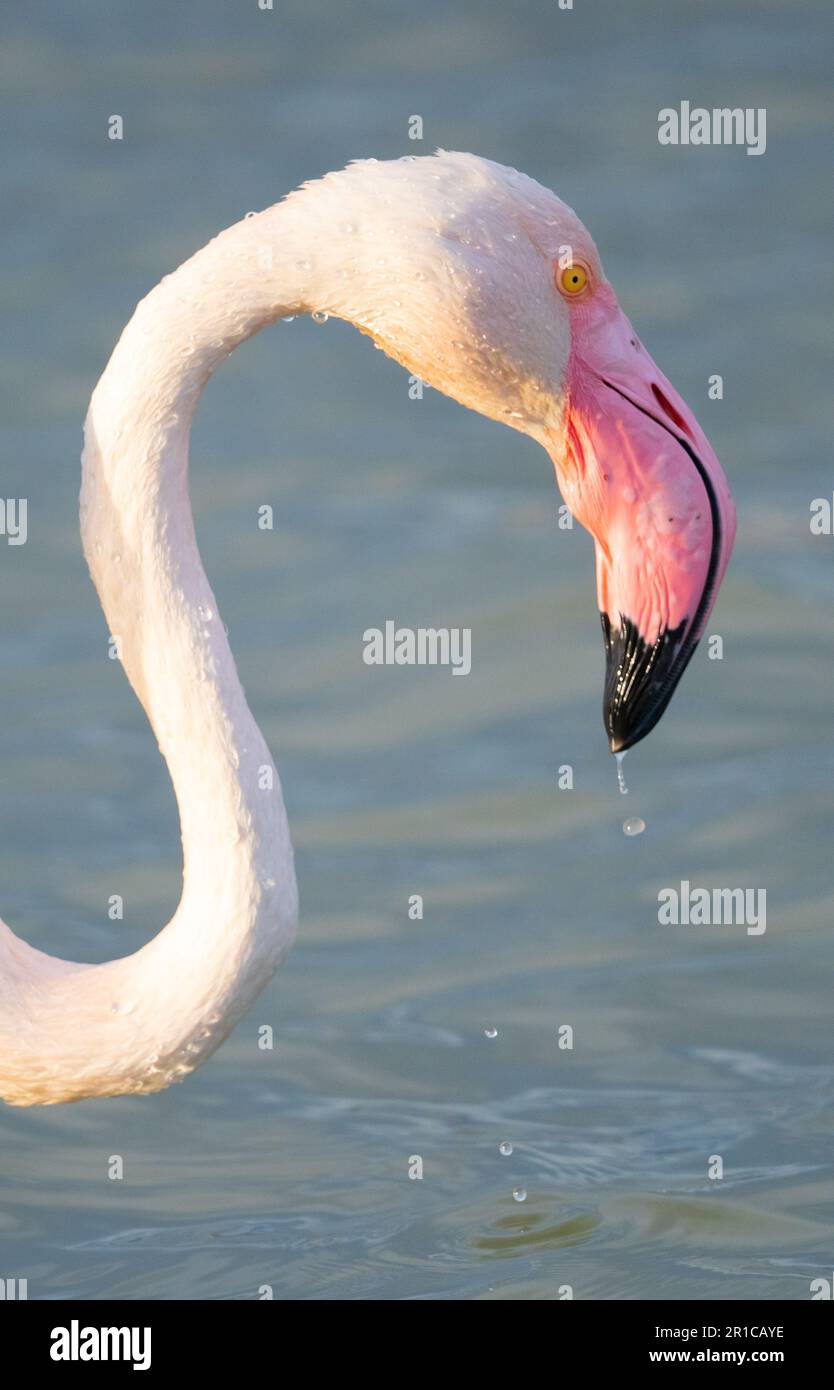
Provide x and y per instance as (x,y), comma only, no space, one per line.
(239,893)
(140,1022)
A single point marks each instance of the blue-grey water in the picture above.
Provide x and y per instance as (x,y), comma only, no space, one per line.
(289,1168)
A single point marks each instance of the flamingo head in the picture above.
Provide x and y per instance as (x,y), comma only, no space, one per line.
(638,471)
(487,286)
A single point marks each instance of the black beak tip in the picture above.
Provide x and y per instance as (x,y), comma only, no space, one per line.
(640,679)
(627,731)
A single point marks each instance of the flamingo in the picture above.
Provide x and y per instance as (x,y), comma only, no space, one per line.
(486,286)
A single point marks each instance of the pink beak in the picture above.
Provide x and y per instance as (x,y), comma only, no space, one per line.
(640,474)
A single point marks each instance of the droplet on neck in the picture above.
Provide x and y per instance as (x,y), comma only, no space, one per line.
(634,826)
(621,782)
(319,316)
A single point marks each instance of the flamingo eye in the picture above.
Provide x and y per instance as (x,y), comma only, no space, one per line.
(573,279)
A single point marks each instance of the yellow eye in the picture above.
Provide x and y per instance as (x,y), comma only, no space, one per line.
(573,279)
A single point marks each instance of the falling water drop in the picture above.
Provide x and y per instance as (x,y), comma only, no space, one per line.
(519,1194)
(490,1032)
(319,316)
(621,783)
(633,826)
(505,1148)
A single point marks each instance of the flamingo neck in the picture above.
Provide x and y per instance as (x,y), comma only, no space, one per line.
(70,1031)
(238,909)
(407,253)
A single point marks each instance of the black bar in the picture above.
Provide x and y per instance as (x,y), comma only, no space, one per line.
(595,1336)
